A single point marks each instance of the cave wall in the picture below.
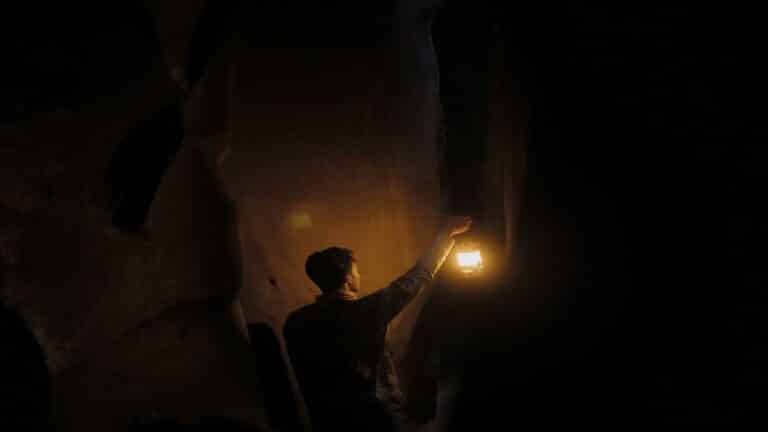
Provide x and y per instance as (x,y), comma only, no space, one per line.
(292,144)
(131,323)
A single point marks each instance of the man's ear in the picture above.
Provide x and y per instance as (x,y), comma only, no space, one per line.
(347,282)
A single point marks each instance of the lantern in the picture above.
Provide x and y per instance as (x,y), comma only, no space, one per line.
(469,259)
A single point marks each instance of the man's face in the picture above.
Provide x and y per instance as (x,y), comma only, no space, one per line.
(353,280)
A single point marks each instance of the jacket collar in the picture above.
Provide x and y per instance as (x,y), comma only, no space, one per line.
(336,295)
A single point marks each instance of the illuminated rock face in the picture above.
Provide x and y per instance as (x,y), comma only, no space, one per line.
(334,144)
(330,145)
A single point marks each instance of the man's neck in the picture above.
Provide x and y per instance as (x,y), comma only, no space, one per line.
(338,295)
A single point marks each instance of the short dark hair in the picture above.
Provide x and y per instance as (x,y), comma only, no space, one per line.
(329,268)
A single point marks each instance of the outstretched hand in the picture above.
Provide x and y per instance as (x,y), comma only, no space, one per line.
(455,225)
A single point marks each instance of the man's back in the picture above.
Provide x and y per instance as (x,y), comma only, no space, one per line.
(339,354)
(335,347)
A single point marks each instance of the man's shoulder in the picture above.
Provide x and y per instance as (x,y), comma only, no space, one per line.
(299,318)
(300,312)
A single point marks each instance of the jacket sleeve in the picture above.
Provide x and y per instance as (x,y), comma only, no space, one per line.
(388,302)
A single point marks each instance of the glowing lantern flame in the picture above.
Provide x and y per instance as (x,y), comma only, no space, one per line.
(469,261)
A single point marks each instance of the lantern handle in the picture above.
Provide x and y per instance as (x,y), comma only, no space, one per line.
(455,225)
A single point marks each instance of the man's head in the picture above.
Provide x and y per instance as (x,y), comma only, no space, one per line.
(334,270)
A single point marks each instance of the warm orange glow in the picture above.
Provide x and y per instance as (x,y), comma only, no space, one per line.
(469,261)
(301,220)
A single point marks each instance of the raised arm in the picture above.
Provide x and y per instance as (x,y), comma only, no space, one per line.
(388,302)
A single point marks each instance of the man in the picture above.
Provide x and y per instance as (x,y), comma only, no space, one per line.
(337,344)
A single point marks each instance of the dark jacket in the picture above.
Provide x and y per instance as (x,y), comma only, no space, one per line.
(340,357)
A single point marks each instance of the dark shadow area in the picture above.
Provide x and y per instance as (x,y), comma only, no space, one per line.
(58,56)
(24,382)
(281,403)
(213,30)
(464,85)
(206,424)
(640,300)
(138,165)
(141,159)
